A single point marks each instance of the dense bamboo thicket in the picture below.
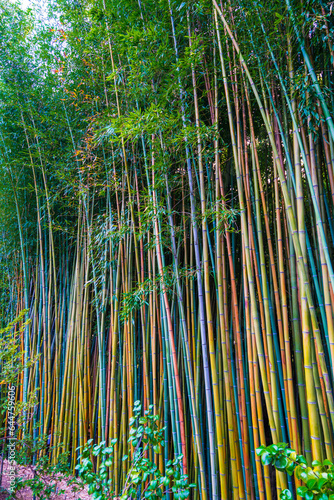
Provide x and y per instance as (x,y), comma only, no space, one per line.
(167,203)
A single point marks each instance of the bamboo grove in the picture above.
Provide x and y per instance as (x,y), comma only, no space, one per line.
(167,204)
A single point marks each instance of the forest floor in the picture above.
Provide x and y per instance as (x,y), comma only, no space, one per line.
(27,473)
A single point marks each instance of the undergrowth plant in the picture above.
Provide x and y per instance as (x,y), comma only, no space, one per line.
(318,480)
(13,364)
(144,479)
(40,477)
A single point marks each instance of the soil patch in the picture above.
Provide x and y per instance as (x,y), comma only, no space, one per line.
(27,473)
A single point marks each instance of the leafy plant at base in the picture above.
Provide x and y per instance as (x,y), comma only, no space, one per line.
(318,479)
(10,353)
(144,479)
(12,365)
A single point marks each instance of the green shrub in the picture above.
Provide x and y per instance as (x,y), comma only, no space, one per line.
(318,479)
(144,480)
